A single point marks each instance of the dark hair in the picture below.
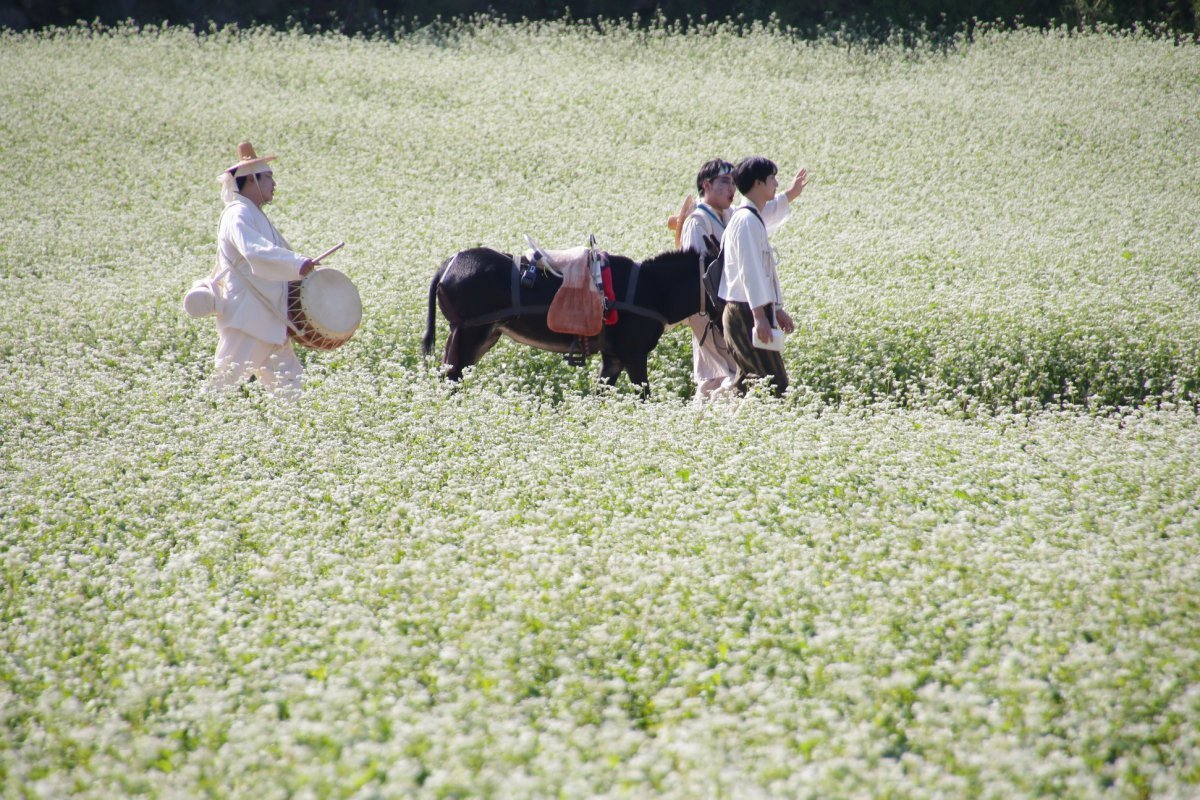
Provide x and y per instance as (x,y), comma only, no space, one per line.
(241,182)
(710,170)
(751,170)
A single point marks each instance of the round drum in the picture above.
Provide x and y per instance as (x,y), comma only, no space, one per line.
(325,308)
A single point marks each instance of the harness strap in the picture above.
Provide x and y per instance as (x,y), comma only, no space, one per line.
(630,293)
(503,314)
(514,281)
(631,285)
(644,312)
(515,308)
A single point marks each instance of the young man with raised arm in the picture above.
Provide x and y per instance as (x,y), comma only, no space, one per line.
(750,280)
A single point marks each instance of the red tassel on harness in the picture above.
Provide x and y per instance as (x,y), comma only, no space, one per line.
(610,317)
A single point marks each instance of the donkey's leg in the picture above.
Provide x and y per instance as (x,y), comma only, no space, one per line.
(610,369)
(452,366)
(639,373)
(466,346)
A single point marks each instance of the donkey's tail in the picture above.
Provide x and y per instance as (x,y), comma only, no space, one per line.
(431,316)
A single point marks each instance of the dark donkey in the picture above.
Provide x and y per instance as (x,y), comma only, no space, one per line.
(480,293)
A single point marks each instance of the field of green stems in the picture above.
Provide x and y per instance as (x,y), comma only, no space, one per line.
(959,559)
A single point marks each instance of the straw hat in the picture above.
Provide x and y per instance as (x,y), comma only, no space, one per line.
(248,162)
(676,221)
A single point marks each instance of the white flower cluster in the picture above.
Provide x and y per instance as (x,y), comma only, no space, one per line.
(921,575)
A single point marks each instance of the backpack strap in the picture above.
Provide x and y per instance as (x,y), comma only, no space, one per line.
(753,211)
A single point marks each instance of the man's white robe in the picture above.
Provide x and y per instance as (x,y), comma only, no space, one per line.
(253,334)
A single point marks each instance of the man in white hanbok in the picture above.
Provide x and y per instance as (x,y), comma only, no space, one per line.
(713,365)
(750,279)
(254,265)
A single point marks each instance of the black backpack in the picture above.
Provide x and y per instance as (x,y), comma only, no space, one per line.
(711,277)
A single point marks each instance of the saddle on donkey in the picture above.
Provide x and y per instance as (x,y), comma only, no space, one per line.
(585,302)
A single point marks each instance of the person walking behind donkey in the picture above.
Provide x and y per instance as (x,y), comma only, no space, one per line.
(750,279)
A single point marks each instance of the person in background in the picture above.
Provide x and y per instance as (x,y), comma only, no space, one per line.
(713,365)
(254,265)
(750,279)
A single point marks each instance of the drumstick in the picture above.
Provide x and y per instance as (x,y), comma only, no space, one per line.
(328,252)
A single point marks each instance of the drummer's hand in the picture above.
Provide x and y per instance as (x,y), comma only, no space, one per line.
(307,267)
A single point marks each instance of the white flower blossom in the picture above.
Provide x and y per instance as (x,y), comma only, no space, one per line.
(960,559)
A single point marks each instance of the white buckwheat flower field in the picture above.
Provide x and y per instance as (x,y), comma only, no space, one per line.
(961,558)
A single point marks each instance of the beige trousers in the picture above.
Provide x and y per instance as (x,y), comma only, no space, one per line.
(713,367)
